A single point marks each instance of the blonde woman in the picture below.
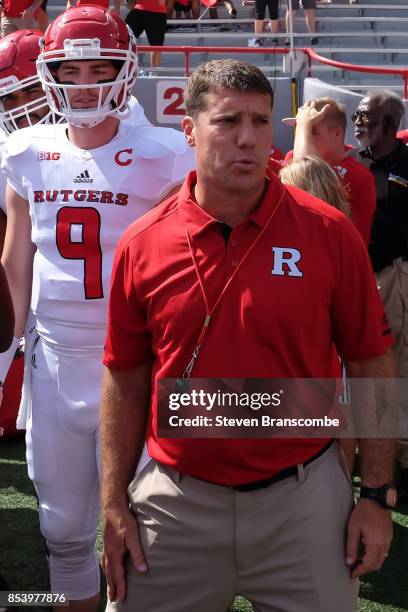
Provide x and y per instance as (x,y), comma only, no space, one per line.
(313,175)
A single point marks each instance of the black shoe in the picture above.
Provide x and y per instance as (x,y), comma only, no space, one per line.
(233,13)
(402,487)
(314,41)
(287,42)
(275,41)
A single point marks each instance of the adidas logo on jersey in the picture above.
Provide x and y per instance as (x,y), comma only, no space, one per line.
(83,178)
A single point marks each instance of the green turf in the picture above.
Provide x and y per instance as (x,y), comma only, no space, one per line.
(22,555)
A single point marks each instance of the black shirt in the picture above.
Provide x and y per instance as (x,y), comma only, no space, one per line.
(389,235)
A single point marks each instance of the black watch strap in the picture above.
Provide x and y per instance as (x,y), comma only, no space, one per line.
(384,495)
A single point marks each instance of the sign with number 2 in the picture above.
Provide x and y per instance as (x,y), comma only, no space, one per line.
(169,100)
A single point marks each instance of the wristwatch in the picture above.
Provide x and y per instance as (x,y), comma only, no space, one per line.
(386,495)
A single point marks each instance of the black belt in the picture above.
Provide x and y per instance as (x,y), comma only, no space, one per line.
(286,473)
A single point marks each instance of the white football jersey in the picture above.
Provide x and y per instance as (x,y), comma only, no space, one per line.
(80,203)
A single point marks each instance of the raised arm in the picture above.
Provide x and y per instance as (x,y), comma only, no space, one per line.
(125,402)
(306,119)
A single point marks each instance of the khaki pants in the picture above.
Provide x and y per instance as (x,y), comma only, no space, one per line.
(12,24)
(393,285)
(281,547)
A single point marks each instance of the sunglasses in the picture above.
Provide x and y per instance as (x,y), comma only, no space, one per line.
(364,117)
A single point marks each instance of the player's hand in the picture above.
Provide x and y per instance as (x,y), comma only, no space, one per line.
(121,537)
(308,115)
(370,525)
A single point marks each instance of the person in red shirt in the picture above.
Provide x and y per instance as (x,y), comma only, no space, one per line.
(149,16)
(320,129)
(19,15)
(102,3)
(403,135)
(237,277)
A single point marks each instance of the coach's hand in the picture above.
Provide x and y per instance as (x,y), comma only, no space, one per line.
(370,525)
(121,537)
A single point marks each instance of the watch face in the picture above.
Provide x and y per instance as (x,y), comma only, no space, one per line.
(391,497)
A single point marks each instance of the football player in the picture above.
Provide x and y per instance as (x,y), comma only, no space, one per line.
(72,190)
(23,103)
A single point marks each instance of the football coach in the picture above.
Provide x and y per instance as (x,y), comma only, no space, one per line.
(238,276)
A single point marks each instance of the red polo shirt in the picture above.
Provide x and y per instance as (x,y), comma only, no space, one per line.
(359,185)
(403,135)
(269,324)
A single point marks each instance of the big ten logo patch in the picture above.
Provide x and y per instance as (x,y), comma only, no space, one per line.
(48,155)
(170,101)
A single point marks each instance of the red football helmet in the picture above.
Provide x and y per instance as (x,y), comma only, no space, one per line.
(18,54)
(88,32)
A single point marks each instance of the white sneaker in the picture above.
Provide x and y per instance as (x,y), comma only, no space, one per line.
(255,42)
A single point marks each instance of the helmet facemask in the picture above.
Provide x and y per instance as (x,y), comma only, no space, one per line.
(10,119)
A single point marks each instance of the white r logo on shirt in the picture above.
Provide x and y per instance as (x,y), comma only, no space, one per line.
(286,257)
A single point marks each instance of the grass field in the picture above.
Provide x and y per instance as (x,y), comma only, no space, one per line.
(22,555)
